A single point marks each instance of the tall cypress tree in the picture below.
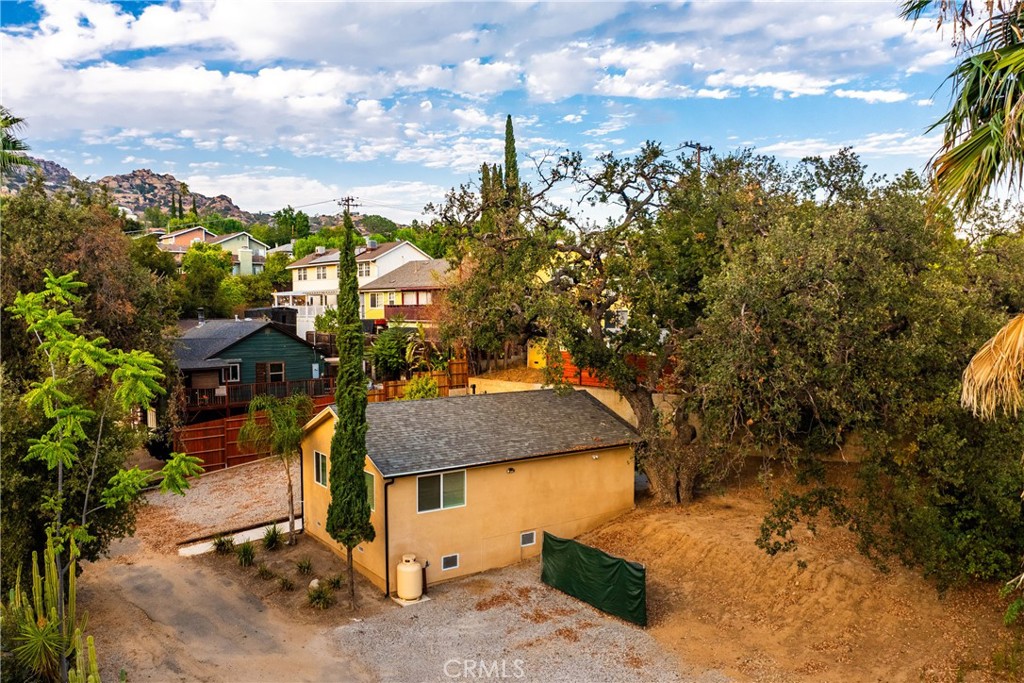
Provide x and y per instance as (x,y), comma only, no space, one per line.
(511,164)
(348,515)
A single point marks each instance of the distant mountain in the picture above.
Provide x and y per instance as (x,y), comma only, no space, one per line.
(135,191)
(142,189)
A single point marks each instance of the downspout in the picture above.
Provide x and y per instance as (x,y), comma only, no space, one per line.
(387,547)
(302,492)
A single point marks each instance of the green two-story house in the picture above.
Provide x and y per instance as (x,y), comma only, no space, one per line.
(224,363)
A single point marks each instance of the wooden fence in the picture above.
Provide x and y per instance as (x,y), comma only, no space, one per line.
(215,442)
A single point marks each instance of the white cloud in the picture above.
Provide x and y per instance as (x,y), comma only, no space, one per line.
(259,191)
(924,103)
(793,83)
(873,96)
(871,145)
(614,122)
(400,201)
(572,118)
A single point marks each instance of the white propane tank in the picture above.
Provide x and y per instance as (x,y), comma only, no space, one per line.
(410,578)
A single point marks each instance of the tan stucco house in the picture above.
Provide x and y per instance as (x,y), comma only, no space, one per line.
(470,483)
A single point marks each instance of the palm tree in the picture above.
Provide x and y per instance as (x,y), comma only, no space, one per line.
(275,425)
(983,132)
(12,147)
(994,379)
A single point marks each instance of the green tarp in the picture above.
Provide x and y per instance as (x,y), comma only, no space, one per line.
(609,583)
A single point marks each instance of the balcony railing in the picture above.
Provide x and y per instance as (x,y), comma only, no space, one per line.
(239,395)
(413,313)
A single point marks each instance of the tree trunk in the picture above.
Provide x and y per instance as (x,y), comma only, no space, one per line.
(291,503)
(351,582)
(670,460)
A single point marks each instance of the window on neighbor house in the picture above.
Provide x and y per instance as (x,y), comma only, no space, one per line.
(320,468)
(321,272)
(302,274)
(374,300)
(232,373)
(364,269)
(441,491)
(368,476)
(275,372)
(391,298)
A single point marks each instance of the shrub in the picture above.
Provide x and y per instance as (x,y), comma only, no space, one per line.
(422,386)
(320,597)
(335,582)
(304,566)
(264,572)
(285,583)
(246,554)
(272,538)
(223,545)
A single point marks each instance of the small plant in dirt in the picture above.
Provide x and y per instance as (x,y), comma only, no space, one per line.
(320,597)
(335,582)
(223,544)
(264,572)
(246,554)
(304,566)
(272,538)
(286,584)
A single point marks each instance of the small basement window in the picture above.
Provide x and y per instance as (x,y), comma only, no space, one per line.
(527,538)
(450,562)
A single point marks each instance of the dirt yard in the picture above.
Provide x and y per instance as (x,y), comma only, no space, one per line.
(720,609)
(717,601)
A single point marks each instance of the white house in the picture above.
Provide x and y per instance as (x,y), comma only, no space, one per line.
(315,278)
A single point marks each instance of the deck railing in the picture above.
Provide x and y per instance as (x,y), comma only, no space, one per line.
(234,395)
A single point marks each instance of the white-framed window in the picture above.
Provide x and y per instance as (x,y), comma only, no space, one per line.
(320,468)
(275,371)
(232,373)
(364,269)
(368,476)
(440,491)
(374,300)
(450,562)
(303,274)
(527,538)
(391,298)
(321,272)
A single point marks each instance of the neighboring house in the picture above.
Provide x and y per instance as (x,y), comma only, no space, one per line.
(225,363)
(287,248)
(409,291)
(315,278)
(248,254)
(470,483)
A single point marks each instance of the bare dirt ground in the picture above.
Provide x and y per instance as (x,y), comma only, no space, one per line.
(720,609)
(718,601)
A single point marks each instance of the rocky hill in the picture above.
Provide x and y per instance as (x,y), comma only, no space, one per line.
(142,189)
(136,191)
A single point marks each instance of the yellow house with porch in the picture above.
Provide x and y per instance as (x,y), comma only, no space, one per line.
(470,483)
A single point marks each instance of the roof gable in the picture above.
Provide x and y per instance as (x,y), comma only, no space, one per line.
(198,345)
(386,248)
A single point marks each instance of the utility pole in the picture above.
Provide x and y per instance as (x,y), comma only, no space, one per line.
(348,203)
(700,148)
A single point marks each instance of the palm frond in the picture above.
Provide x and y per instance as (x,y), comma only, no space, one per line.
(994,379)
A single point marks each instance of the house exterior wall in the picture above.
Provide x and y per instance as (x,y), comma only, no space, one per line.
(566,495)
(270,345)
(184,239)
(385,263)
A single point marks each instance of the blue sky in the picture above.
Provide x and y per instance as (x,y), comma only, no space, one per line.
(277,103)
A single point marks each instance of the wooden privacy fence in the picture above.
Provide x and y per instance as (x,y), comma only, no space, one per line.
(216,442)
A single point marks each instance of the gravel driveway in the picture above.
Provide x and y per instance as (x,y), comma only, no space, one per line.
(506,624)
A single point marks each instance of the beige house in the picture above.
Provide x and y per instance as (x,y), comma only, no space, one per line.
(470,483)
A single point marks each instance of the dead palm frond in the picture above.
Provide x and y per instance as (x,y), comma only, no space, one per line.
(994,379)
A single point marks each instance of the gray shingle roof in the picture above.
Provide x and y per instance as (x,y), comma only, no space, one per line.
(414,437)
(196,347)
(412,275)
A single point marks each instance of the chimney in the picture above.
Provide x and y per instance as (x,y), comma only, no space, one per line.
(201,314)
(321,251)
(245,261)
(371,244)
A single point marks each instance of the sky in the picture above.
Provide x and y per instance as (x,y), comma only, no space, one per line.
(302,103)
